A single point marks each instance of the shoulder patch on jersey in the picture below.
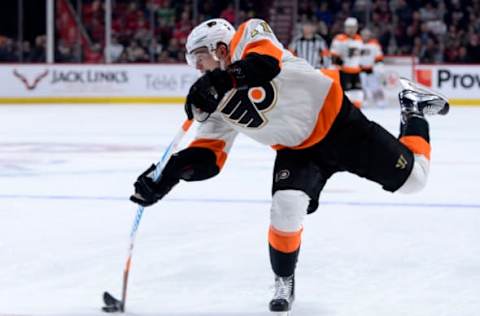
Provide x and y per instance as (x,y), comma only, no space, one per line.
(262,27)
(341,37)
(358,38)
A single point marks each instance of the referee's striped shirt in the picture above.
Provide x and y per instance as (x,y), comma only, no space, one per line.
(314,50)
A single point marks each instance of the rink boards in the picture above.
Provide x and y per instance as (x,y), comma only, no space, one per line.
(169,83)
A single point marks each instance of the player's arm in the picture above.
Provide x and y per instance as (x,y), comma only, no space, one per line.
(256,58)
(336,51)
(253,70)
(324,54)
(201,160)
(293,45)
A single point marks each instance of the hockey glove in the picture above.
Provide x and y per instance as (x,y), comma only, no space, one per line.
(367,70)
(252,71)
(147,191)
(337,60)
(207,92)
(190,164)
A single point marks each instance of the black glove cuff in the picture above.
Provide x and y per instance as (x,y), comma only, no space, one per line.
(221,80)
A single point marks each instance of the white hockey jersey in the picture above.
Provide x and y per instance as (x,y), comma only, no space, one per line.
(295,110)
(371,54)
(348,49)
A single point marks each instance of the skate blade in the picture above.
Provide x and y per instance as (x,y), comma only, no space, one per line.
(281,313)
(410,85)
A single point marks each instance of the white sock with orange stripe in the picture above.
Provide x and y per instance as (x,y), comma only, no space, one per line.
(415,137)
(289,208)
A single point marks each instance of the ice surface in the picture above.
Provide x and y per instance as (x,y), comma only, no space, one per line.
(66,173)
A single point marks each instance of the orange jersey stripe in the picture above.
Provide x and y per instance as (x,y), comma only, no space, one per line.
(236,38)
(284,242)
(351,70)
(344,37)
(327,115)
(418,145)
(264,47)
(215,145)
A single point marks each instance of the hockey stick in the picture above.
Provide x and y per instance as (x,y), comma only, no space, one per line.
(111,303)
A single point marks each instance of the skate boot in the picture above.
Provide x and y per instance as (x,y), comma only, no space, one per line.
(284,295)
(416,101)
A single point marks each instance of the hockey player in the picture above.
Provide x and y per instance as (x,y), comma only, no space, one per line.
(371,61)
(345,51)
(252,85)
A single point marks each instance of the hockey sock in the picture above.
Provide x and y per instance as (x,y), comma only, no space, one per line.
(415,136)
(284,249)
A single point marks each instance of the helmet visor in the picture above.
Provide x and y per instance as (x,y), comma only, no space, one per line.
(196,56)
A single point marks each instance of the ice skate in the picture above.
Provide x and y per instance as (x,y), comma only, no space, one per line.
(418,101)
(284,296)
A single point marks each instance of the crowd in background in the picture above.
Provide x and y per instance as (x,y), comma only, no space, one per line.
(434,31)
(445,31)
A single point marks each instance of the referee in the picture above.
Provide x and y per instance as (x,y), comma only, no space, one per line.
(311,47)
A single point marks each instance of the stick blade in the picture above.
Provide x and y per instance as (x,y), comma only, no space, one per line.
(112,305)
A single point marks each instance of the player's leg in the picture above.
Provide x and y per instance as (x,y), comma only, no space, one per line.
(415,102)
(353,88)
(365,148)
(297,183)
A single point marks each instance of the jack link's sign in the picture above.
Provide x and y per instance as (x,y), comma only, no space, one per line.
(95,83)
(166,83)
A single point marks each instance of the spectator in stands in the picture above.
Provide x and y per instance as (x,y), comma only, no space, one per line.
(473,48)
(173,49)
(136,53)
(116,49)
(7,52)
(166,13)
(430,52)
(463,56)
(183,27)
(229,14)
(39,50)
(26,51)
(404,27)
(64,53)
(324,14)
(165,58)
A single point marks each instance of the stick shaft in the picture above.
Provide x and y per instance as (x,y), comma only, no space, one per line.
(156,175)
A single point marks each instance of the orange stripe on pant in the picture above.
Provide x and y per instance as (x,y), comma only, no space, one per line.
(417,144)
(284,242)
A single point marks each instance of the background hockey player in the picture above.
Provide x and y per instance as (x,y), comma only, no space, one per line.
(311,46)
(345,51)
(371,62)
(252,85)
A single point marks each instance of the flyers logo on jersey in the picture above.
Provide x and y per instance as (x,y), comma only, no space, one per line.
(246,107)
